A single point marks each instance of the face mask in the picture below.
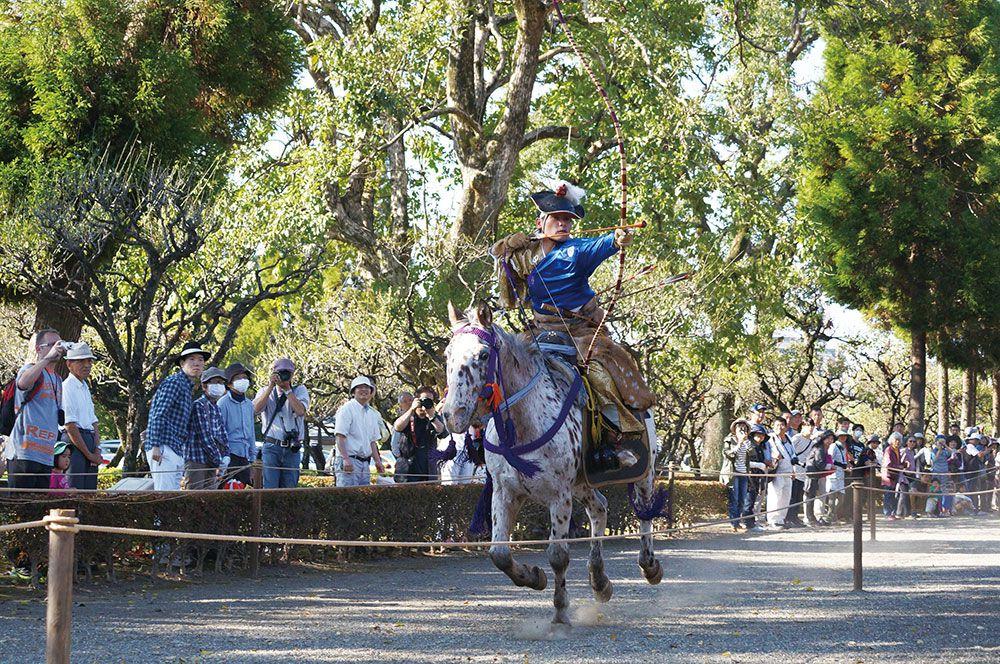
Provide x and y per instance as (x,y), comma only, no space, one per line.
(241,385)
(858,434)
(215,390)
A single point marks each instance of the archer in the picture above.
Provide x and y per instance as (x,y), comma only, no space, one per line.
(551,270)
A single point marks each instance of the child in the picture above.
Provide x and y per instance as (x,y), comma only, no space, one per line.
(58,480)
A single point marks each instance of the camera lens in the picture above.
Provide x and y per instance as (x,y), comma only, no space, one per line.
(427,403)
(285,375)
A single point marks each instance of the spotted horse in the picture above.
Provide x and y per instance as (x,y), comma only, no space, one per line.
(532,397)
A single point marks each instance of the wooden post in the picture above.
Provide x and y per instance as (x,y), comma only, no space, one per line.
(61,525)
(857,489)
(872,494)
(258,483)
(670,495)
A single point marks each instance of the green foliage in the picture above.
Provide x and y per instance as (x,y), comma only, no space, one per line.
(180,78)
(902,173)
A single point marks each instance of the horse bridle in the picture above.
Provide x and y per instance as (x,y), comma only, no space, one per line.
(492,394)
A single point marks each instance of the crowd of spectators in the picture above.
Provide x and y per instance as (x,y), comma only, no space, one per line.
(792,472)
(202,428)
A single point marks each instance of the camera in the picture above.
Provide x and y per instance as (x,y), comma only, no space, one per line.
(427,402)
(66,345)
(284,375)
(291,441)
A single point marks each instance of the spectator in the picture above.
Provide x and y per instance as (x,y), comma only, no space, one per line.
(358,432)
(403,404)
(779,489)
(817,467)
(757,413)
(37,399)
(816,415)
(891,465)
(837,451)
(794,422)
(907,476)
(237,417)
(975,471)
(735,452)
(81,427)
(421,427)
(956,466)
(802,443)
(170,419)
(207,450)
(858,465)
(470,461)
(758,461)
(282,406)
(58,480)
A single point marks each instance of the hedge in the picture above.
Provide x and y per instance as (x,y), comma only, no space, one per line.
(404,513)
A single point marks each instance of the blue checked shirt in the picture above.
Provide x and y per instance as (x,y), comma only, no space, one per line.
(208,442)
(170,414)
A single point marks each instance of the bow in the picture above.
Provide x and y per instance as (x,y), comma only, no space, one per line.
(623,169)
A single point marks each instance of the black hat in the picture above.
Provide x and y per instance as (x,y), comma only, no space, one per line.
(565,198)
(191,348)
(237,368)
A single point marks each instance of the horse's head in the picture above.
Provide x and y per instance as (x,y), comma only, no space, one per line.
(471,365)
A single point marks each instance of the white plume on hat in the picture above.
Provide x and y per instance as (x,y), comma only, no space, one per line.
(573,194)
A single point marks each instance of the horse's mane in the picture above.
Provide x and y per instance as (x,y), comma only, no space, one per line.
(522,348)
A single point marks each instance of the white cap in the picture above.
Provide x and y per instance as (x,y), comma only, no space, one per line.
(80,351)
(362,380)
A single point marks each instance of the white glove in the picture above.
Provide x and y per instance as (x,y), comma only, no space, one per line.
(224,463)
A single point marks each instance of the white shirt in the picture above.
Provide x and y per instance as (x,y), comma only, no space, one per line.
(77,404)
(360,425)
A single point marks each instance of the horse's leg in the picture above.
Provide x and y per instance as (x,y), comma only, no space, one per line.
(651,568)
(597,510)
(505,508)
(560,512)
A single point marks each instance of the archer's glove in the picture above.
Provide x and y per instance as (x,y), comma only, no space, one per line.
(509,244)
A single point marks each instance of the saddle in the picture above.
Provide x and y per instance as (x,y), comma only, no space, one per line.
(611,456)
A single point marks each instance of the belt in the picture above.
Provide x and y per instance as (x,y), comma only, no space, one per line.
(274,441)
(360,458)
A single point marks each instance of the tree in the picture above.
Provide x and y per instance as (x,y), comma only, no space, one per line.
(165,257)
(85,76)
(901,174)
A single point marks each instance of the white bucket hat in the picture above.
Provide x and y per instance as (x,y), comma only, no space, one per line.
(362,380)
(80,351)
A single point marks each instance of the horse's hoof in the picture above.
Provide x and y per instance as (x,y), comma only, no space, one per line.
(560,625)
(602,589)
(653,573)
(540,580)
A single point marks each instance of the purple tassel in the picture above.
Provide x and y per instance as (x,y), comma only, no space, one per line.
(653,509)
(484,508)
(438,457)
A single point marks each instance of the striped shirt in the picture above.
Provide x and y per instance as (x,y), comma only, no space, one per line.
(742,450)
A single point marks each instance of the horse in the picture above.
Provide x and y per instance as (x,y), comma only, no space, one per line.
(483,359)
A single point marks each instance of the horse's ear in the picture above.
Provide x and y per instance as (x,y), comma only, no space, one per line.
(484,314)
(453,316)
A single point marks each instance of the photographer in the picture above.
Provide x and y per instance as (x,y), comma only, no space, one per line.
(358,431)
(282,407)
(421,427)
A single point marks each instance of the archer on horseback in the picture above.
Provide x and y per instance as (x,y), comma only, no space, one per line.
(551,270)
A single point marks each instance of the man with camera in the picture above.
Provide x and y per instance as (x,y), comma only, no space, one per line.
(282,406)
(358,432)
(37,400)
(421,427)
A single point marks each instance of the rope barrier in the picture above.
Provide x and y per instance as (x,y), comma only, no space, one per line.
(926,493)
(114,530)
(914,474)
(10,527)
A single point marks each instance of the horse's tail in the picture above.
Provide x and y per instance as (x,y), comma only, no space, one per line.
(483,512)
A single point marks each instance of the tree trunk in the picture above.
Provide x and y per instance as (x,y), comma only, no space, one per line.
(716,430)
(918,380)
(995,383)
(969,397)
(943,397)
(66,321)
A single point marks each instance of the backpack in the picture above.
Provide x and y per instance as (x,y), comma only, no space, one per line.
(8,413)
